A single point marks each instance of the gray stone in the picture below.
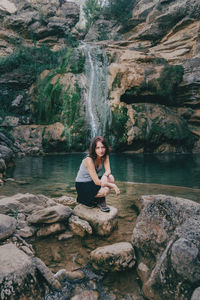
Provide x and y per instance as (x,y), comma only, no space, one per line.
(115,257)
(26,203)
(51,229)
(196,294)
(7,226)
(167,242)
(22,276)
(102,223)
(79,227)
(56,213)
(65,235)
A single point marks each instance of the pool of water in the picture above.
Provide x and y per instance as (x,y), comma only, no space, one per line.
(136,175)
(54,175)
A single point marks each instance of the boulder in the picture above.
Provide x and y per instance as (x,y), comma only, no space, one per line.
(115,257)
(21,276)
(6,153)
(26,203)
(102,223)
(56,213)
(7,226)
(79,227)
(196,294)
(167,242)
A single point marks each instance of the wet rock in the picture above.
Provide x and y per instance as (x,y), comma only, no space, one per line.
(63,274)
(79,227)
(116,257)
(7,226)
(102,223)
(8,6)
(167,242)
(6,153)
(65,236)
(26,231)
(19,275)
(51,229)
(65,200)
(57,213)
(89,295)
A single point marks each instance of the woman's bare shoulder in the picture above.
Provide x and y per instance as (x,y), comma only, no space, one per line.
(88,160)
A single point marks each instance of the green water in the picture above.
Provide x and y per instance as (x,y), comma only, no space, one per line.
(54,175)
(136,175)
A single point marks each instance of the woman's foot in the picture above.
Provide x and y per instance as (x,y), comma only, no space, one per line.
(102,205)
(103,208)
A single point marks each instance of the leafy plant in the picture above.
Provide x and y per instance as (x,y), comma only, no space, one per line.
(119,121)
(120,10)
(92,10)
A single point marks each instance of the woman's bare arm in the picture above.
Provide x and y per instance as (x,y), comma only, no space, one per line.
(107,166)
(88,162)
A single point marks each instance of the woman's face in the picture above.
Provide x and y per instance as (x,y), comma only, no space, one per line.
(100,149)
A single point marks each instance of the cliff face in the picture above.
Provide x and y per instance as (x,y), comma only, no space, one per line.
(153,72)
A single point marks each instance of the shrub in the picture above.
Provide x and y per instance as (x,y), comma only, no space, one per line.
(92,10)
(120,10)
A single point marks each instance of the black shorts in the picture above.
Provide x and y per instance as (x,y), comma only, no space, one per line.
(86,193)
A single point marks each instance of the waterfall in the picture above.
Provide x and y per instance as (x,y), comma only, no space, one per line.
(96,98)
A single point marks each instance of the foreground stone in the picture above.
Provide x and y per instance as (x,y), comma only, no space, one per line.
(21,276)
(116,257)
(167,242)
(102,223)
(44,214)
(7,226)
(57,213)
(79,227)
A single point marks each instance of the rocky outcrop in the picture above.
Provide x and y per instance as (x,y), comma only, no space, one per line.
(166,240)
(153,61)
(102,224)
(24,275)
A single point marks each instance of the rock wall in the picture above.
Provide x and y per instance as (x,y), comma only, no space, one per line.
(153,73)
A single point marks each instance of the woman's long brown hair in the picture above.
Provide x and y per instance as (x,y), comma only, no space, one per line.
(93,145)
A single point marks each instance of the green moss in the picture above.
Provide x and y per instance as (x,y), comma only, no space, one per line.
(117,81)
(48,101)
(119,127)
(25,64)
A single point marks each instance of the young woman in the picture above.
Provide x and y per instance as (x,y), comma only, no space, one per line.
(91,187)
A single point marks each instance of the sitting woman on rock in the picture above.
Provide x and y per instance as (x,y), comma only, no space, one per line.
(91,188)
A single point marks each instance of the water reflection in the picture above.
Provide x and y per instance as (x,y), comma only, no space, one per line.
(45,173)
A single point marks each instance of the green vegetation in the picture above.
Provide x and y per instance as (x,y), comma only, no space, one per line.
(169,80)
(119,10)
(117,81)
(48,102)
(92,10)
(30,60)
(162,89)
(22,69)
(119,121)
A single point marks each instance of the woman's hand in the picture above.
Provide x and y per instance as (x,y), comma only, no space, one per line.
(117,190)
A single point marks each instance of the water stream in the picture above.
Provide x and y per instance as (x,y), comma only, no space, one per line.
(98,109)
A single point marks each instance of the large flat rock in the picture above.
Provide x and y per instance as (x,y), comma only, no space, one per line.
(22,276)
(101,222)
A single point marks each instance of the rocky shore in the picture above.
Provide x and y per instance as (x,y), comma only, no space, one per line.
(164,248)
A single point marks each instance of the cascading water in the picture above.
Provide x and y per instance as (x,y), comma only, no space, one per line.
(98,108)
